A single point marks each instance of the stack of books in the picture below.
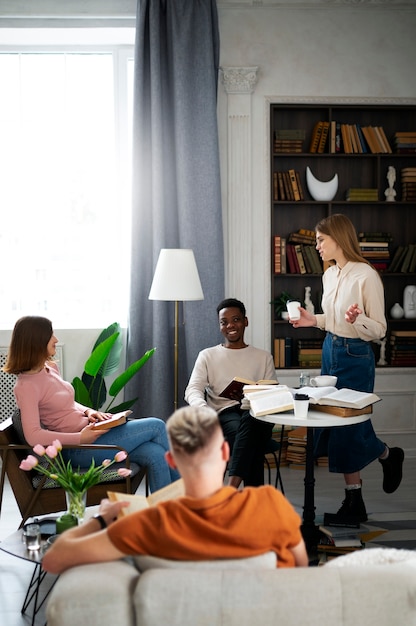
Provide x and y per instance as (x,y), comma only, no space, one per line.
(357,194)
(335,541)
(375,246)
(296,448)
(405,142)
(310,353)
(403,348)
(289,140)
(377,253)
(408,176)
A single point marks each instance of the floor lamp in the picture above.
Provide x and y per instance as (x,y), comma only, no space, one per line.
(176,278)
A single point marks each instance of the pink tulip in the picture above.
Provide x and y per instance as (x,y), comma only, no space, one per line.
(38,449)
(29,463)
(51,452)
(124,472)
(121,456)
(106,462)
(57,444)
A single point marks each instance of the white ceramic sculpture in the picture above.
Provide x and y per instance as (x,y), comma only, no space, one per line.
(320,190)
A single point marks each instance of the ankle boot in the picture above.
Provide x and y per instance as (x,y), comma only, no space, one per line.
(351,513)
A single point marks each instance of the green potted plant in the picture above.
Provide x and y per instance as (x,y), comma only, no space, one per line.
(104,360)
(279,303)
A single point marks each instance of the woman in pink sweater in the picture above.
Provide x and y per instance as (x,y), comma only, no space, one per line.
(49,411)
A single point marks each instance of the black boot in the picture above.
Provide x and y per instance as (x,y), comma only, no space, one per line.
(351,513)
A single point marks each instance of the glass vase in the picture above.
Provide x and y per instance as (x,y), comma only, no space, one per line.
(76,503)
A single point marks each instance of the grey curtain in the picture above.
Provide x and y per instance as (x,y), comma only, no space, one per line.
(176,188)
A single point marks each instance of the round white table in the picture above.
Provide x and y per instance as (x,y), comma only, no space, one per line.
(314,419)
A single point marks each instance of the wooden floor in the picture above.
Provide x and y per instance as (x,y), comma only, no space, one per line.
(329,491)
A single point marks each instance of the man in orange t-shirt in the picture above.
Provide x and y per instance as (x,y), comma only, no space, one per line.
(210,522)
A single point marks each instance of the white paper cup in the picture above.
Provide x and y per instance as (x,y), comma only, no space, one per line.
(301,408)
(324,381)
(293,309)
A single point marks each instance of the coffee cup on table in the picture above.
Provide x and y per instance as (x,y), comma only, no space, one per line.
(293,309)
(301,405)
(324,381)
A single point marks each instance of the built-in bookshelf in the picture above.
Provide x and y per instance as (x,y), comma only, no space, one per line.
(361,170)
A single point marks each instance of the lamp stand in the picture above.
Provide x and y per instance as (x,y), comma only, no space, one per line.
(175,357)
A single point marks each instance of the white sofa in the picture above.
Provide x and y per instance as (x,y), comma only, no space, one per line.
(378,590)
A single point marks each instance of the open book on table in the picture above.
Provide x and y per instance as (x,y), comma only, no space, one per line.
(139,502)
(235,388)
(271,400)
(116,420)
(331,396)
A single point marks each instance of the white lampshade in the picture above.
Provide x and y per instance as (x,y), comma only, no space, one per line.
(176,276)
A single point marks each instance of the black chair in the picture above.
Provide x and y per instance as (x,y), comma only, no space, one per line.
(275,449)
(36,494)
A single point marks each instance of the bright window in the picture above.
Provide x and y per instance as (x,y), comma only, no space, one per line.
(65,186)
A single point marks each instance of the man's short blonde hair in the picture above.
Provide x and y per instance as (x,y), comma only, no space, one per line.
(191,428)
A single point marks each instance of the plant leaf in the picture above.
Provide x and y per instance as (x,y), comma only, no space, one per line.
(99,355)
(81,392)
(112,362)
(124,406)
(97,390)
(124,378)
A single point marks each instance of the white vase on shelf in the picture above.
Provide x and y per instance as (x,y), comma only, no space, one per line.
(396,311)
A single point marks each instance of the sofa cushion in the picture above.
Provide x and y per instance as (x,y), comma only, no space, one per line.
(262,561)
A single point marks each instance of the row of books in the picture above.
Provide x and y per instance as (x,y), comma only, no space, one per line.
(348,138)
(289,140)
(408,180)
(404,259)
(405,142)
(295,258)
(287,186)
(402,347)
(301,353)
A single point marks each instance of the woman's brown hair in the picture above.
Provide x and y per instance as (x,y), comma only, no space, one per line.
(28,345)
(340,228)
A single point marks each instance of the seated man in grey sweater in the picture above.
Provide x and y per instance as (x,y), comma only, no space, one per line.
(214,368)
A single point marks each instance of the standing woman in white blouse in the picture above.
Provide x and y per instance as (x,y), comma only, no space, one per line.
(353,316)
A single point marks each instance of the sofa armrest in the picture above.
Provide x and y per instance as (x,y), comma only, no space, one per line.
(96,594)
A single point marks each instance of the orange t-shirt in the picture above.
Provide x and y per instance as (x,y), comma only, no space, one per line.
(230,524)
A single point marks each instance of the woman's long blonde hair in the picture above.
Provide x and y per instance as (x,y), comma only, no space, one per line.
(340,228)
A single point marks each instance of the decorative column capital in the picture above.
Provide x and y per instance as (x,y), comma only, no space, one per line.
(240,80)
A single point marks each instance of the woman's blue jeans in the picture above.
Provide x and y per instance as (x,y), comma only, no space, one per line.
(146,442)
(349,448)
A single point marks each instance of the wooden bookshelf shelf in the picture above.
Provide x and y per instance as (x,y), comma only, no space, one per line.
(355,171)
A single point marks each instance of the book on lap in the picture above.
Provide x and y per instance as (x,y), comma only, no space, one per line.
(116,420)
